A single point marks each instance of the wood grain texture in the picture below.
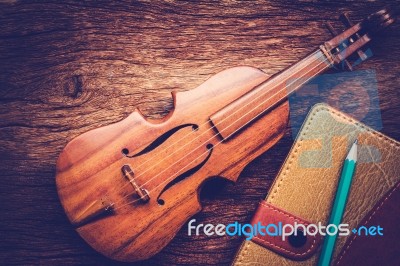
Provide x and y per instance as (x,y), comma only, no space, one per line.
(71,67)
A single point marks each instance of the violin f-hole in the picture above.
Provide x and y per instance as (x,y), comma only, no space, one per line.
(158,141)
(186,174)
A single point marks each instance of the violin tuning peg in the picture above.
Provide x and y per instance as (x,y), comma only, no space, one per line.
(347,23)
(347,65)
(346,20)
(362,55)
(331,29)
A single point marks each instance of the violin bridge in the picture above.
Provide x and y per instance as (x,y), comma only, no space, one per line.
(93,211)
(141,192)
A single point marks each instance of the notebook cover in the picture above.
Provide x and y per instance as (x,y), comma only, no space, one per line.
(306,184)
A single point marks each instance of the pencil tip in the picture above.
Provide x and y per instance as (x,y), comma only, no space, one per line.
(352,155)
(356,141)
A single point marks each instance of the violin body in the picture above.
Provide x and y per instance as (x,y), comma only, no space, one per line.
(168,159)
(129,187)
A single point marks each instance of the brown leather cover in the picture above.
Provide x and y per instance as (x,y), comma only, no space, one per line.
(367,250)
(307,182)
(268,214)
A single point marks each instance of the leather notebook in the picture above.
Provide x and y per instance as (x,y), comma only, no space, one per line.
(304,191)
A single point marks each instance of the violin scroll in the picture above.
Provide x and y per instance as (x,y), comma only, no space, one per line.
(378,21)
(354,40)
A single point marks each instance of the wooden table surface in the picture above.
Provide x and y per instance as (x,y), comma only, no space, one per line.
(66,68)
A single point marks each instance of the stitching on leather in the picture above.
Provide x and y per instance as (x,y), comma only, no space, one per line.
(294,218)
(245,250)
(301,138)
(306,131)
(369,218)
(285,214)
(378,134)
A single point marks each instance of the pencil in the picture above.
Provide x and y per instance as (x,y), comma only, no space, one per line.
(339,205)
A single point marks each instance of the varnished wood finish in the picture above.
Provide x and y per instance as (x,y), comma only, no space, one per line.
(69,67)
(89,168)
(231,118)
(166,162)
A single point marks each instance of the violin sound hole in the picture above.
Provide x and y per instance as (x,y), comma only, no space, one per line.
(186,174)
(158,141)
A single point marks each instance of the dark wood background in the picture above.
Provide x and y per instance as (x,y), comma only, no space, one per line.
(66,68)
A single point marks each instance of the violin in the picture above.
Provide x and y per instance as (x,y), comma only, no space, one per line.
(128,187)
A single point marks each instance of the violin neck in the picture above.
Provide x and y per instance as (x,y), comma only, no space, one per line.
(269,94)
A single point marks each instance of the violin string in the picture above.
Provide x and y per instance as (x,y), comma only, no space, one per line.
(136,200)
(324,61)
(193,140)
(277,93)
